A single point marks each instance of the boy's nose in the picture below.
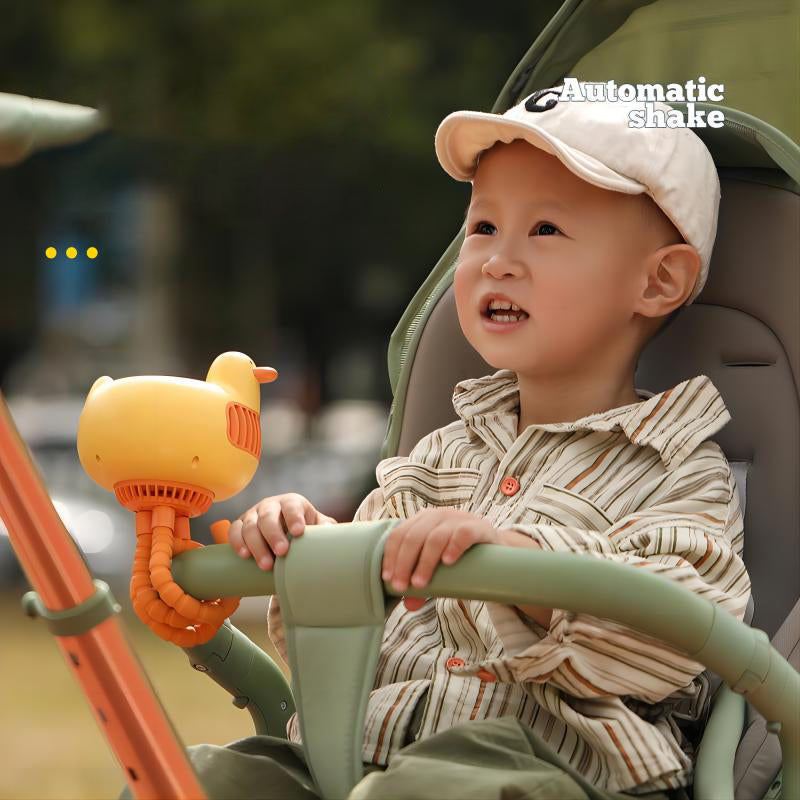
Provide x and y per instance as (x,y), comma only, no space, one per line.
(501,264)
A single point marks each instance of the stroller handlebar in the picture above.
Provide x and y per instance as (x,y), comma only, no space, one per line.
(344,560)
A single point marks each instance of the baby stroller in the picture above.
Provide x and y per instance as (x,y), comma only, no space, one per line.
(749,302)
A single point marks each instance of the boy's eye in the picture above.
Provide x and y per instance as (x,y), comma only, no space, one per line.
(542,228)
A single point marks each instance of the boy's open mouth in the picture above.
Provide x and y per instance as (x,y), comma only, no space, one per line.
(498,308)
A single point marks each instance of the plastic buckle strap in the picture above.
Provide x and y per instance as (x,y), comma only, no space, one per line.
(78,619)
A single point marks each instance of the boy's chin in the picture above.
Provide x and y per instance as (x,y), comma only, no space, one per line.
(500,362)
(528,367)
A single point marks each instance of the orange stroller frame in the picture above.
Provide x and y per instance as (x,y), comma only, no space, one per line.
(80,613)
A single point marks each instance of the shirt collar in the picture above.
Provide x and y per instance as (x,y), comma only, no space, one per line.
(673,422)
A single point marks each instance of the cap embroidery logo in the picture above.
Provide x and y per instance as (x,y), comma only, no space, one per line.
(531,104)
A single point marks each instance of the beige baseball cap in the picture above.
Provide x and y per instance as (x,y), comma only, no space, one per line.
(595,140)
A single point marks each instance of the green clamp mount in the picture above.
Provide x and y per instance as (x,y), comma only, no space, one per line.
(256,682)
(78,619)
(756,673)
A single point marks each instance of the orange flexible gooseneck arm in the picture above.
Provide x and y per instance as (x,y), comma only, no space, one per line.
(127,709)
(159,602)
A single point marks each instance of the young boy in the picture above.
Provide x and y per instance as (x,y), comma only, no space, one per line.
(584,236)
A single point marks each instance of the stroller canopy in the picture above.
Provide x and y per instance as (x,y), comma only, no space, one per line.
(750,48)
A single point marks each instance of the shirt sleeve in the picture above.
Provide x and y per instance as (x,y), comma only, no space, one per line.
(374,506)
(689,529)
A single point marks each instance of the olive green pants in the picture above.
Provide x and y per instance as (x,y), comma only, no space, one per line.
(493,759)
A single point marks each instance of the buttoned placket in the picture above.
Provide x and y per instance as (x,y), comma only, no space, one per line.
(497,505)
(491,506)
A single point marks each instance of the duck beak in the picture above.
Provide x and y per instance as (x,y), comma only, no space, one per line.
(265,374)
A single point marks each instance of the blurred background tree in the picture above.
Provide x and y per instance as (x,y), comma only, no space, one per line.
(280,155)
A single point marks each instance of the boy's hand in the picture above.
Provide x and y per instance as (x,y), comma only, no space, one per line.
(418,544)
(262,530)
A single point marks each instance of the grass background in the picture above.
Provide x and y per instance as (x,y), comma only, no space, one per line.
(52,745)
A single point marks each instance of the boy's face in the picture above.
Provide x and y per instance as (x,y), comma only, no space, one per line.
(567,252)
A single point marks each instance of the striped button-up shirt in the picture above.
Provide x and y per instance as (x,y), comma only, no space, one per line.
(639,484)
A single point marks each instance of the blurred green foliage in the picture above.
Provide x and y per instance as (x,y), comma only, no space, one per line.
(276,73)
(295,138)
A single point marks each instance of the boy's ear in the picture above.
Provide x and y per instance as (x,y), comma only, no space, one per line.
(670,274)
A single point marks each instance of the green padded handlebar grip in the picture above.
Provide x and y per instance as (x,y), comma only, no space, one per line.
(326,559)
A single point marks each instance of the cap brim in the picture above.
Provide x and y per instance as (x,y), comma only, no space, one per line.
(462,135)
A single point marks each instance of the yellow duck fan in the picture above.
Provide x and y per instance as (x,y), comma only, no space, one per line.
(168,448)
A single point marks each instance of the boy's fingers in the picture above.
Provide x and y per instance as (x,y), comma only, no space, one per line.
(431,554)
(248,532)
(294,515)
(235,537)
(408,553)
(396,537)
(255,542)
(462,539)
(269,528)
(390,549)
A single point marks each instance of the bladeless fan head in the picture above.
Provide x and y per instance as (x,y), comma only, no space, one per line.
(168,448)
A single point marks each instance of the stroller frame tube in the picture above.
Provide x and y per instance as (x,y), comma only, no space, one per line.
(80,613)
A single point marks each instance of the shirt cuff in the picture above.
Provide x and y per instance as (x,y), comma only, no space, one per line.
(566,538)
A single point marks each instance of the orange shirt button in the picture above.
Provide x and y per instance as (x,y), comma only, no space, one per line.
(509,486)
(454,662)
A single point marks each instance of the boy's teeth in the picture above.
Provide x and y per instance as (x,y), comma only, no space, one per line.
(503,304)
(507,317)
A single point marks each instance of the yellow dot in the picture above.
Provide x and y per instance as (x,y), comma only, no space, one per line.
(91,252)
(71,252)
(51,252)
